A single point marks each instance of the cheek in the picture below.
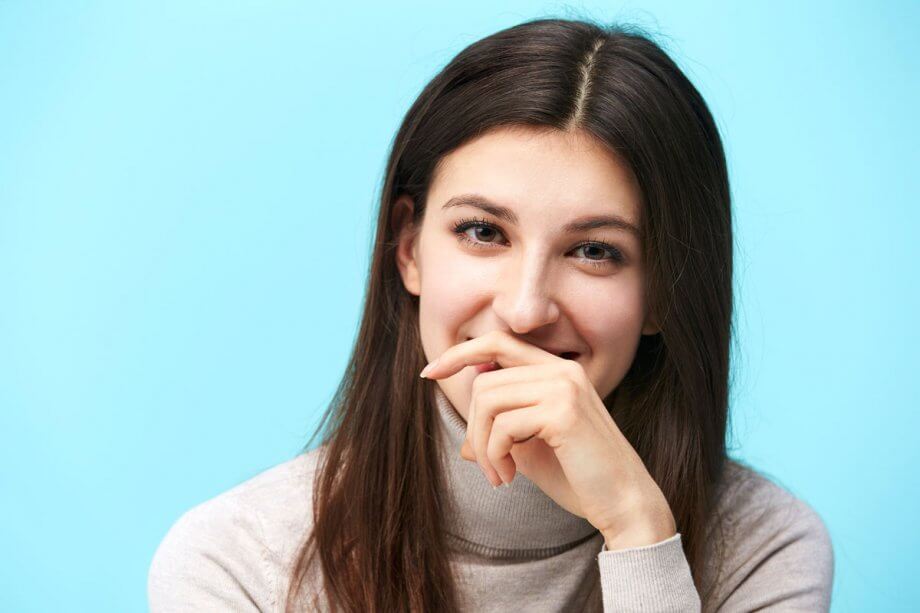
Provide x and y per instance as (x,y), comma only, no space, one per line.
(448,299)
(609,311)
(610,321)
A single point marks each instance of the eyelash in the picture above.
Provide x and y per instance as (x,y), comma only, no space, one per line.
(462,225)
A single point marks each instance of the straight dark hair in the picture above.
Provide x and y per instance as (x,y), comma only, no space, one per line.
(377,528)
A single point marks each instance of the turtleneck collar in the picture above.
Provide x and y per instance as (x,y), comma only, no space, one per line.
(517,521)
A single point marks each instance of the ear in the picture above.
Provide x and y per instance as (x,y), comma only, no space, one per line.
(406,234)
(650,326)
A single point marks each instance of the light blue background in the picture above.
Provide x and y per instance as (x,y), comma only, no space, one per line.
(186,197)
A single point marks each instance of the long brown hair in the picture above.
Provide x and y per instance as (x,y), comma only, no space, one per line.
(377,515)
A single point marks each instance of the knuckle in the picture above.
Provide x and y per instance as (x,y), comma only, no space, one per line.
(565,417)
(502,340)
(567,387)
(484,397)
(494,455)
(493,451)
(573,369)
(499,423)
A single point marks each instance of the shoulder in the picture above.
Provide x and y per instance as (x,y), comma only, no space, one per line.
(769,546)
(230,551)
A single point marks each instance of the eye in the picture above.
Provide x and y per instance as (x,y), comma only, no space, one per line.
(461,227)
(616,256)
(487,231)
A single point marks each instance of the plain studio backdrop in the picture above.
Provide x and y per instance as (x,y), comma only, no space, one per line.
(186,197)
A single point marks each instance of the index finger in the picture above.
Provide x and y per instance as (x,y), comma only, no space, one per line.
(497,346)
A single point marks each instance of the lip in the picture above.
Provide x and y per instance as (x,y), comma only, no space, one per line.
(486,367)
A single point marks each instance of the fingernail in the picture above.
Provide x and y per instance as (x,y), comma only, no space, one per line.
(489,480)
(427,369)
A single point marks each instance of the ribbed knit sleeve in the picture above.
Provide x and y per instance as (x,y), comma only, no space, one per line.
(649,578)
(778,557)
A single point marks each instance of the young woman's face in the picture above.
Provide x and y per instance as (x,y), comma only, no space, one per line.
(494,253)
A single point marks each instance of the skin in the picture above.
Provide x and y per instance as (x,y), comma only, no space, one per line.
(517,290)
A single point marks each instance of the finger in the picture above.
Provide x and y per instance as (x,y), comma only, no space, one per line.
(517,374)
(497,346)
(487,404)
(499,378)
(488,471)
(508,429)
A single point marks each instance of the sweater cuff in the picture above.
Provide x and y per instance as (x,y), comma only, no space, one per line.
(648,578)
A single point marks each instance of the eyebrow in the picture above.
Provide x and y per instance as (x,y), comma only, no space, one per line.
(507,215)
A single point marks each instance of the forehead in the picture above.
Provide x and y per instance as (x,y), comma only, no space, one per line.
(544,175)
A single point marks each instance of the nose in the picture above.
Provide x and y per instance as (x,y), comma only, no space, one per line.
(525,299)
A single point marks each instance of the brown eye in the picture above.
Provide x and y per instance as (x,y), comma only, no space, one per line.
(485,233)
(598,253)
(600,249)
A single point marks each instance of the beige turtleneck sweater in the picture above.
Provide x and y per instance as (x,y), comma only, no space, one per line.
(513,548)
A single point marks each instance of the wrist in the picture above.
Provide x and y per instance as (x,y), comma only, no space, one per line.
(638,537)
(648,528)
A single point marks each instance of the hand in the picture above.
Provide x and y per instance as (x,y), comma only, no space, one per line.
(540,414)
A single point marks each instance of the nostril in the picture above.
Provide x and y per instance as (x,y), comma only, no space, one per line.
(568,355)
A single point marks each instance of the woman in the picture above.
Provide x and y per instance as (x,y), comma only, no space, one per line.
(555,230)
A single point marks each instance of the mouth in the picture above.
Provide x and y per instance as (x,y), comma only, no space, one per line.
(565,355)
